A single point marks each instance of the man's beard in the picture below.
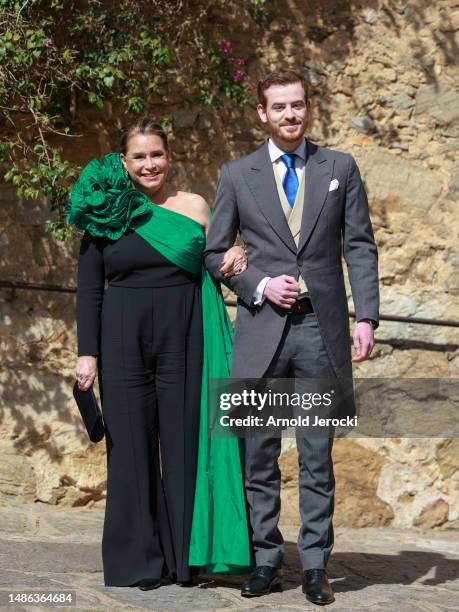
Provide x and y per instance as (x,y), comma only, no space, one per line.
(276,130)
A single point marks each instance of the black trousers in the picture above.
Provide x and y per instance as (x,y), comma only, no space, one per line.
(150,372)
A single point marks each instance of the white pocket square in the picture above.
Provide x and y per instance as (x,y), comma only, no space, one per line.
(334,184)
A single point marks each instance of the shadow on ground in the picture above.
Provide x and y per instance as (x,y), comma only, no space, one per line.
(354,571)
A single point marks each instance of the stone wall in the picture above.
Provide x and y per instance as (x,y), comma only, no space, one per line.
(384,89)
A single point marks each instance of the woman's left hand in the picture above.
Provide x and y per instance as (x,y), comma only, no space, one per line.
(234,262)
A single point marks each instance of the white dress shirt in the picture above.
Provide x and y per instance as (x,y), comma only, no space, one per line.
(300,159)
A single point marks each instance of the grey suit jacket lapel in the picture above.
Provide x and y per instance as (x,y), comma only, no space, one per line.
(260,179)
(318,173)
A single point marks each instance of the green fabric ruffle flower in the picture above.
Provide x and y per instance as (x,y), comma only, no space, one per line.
(103,201)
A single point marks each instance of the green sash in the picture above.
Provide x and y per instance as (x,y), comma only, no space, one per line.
(104,203)
(219,537)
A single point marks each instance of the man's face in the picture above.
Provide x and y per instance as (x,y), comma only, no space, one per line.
(286,113)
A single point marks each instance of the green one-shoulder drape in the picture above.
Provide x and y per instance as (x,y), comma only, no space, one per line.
(104,203)
(219,537)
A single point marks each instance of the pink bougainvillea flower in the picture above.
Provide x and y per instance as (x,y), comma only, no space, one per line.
(226,47)
(48,42)
(238,75)
(239,61)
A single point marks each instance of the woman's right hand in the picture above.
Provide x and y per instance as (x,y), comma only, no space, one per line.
(86,369)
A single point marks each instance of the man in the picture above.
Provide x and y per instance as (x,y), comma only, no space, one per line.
(297,206)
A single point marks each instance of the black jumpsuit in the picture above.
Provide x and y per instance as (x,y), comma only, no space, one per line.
(147,333)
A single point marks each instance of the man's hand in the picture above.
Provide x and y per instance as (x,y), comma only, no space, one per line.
(282,290)
(364,341)
(85,372)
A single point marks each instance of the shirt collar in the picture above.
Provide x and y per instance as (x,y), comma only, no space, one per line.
(275,153)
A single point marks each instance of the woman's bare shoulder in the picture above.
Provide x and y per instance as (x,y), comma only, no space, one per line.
(196,204)
(193,199)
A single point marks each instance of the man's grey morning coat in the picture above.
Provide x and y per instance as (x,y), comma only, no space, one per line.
(335,222)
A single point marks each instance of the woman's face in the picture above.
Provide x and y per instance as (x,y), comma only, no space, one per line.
(147,161)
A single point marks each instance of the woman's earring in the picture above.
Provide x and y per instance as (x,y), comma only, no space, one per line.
(126,173)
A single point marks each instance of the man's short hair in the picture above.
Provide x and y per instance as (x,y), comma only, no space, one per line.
(279,77)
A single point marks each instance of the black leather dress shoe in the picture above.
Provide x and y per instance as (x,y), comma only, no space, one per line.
(316,587)
(263,580)
(149,584)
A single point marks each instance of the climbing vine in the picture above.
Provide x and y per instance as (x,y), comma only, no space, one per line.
(58,56)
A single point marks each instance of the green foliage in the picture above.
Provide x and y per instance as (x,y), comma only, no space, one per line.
(224,77)
(56,56)
(258,9)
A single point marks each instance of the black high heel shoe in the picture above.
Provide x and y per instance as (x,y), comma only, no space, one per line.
(148,584)
(184,583)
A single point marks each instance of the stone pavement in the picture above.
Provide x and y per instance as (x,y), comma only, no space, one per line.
(45,548)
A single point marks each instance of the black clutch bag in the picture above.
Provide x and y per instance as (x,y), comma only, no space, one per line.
(90,413)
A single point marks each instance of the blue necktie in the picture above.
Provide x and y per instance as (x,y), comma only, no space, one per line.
(290,181)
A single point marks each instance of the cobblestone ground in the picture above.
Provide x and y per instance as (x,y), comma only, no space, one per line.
(49,549)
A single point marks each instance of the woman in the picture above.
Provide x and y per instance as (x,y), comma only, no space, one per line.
(155,336)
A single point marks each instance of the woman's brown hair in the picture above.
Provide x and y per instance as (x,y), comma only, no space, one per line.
(142,126)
